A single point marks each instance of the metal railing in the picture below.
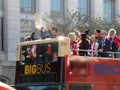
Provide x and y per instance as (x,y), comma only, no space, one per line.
(111,54)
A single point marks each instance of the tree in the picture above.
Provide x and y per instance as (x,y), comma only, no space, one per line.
(70,21)
(103,25)
(76,20)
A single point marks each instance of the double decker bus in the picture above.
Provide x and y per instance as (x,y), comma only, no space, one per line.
(48,65)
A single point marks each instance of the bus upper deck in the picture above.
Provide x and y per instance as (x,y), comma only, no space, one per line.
(48,65)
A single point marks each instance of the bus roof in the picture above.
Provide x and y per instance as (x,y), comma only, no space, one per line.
(44,40)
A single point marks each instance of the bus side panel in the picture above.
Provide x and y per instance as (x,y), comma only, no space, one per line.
(101,73)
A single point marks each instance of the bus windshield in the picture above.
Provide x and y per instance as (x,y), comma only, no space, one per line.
(38,53)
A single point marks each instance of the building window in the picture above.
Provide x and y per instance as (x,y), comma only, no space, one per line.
(109,10)
(27,28)
(84,7)
(1,33)
(57,8)
(27,6)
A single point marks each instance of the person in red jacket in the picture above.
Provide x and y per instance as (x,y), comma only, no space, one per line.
(74,43)
(115,42)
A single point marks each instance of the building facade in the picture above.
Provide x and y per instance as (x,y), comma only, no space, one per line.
(17,21)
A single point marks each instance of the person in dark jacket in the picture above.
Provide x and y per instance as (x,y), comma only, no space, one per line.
(98,37)
(36,34)
(104,46)
(87,34)
(54,32)
(45,33)
(83,45)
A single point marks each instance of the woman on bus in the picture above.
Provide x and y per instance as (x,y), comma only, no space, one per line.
(73,43)
(83,45)
(115,42)
(93,46)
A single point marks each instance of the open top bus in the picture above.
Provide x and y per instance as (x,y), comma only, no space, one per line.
(48,65)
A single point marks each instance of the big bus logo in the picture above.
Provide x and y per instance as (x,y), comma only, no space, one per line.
(79,68)
(37,68)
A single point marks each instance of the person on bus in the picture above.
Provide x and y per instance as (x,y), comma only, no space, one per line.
(87,33)
(54,32)
(30,54)
(104,46)
(77,33)
(115,42)
(41,53)
(45,33)
(73,43)
(36,34)
(49,56)
(83,45)
(98,37)
(27,38)
(93,46)
(30,51)
(33,50)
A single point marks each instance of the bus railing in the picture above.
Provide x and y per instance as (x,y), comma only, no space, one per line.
(111,54)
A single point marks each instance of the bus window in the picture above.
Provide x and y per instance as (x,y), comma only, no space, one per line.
(80,87)
(37,53)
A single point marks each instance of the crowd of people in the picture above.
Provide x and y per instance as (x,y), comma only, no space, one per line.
(100,44)
(40,52)
(42,34)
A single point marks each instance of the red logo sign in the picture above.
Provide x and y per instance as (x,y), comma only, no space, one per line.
(79,68)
